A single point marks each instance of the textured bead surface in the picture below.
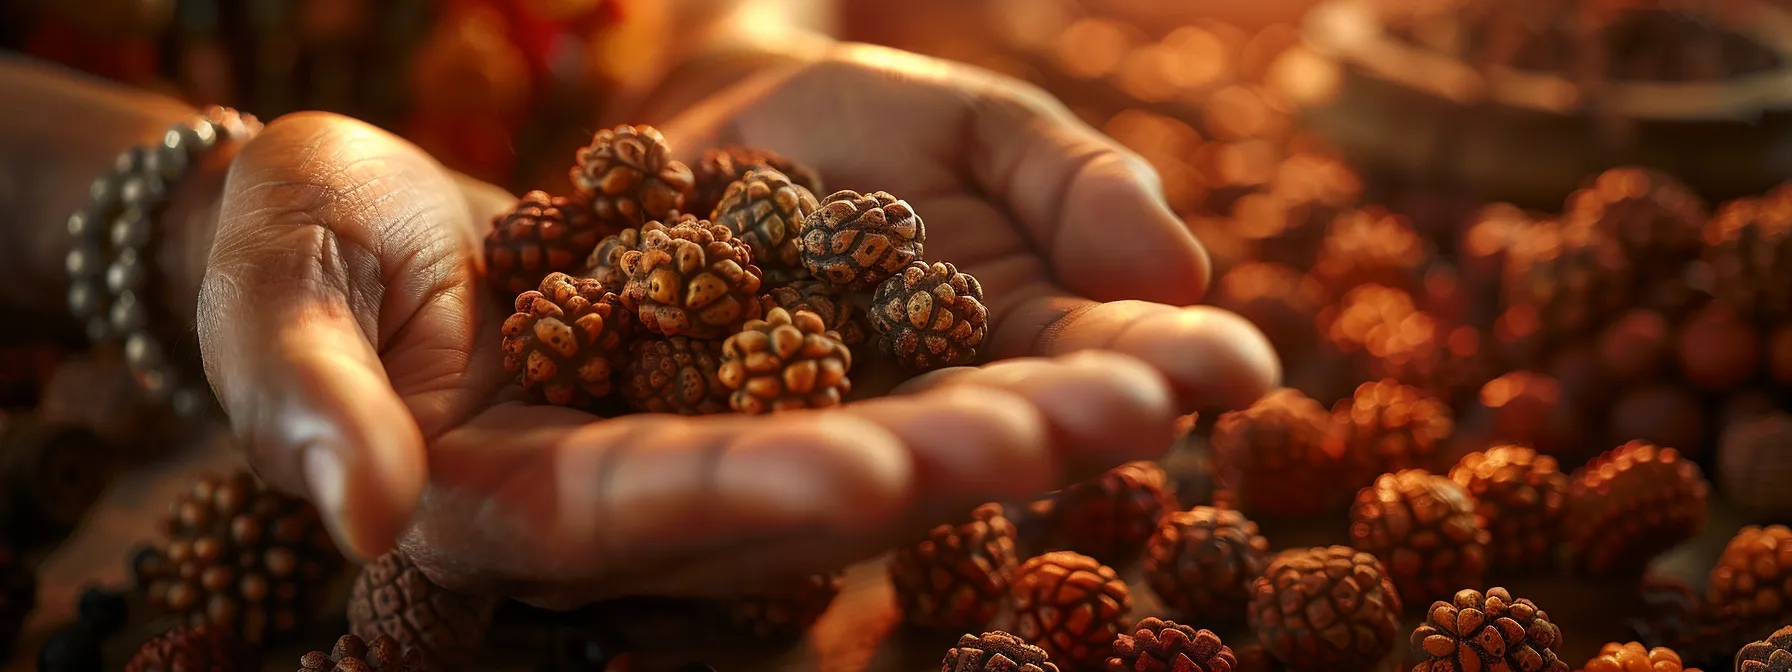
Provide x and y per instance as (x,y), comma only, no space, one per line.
(956,578)
(1071,606)
(691,278)
(1477,631)
(995,652)
(765,209)
(785,362)
(1324,608)
(857,240)
(392,598)
(930,316)
(1520,496)
(1631,504)
(628,175)
(1202,562)
(1423,527)
(566,340)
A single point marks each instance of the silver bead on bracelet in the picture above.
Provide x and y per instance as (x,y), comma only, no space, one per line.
(110,260)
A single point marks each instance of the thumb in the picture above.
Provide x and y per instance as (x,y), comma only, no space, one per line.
(290,316)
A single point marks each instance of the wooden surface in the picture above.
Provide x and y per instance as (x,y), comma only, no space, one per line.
(860,632)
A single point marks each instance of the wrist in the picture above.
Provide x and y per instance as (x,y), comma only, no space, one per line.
(189,225)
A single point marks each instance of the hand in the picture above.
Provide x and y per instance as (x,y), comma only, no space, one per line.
(348,335)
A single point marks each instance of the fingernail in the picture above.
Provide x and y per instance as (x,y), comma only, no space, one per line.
(326,481)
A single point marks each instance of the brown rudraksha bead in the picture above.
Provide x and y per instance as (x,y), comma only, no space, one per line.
(392,598)
(858,240)
(1654,217)
(789,612)
(542,234)
(1070,605)
(675,375)
(239,555)
(723,166)
(194,648)
(995,652)
(1156,644)
(691,278)
(1274,456)
(1423,528)
(929,316)
(1386,427)
(785,362)
(605,262)
(826,301)
(1629,505)
(1202,561)
(630,177)
(1573,275)
(766,211)
(1110,518)
(1753,465)
(1623,657)
(1773,654)
(1748,251)
(1751,586)
(1325,608)
(353,654)
(1520,496)
(566,340)
(957,578)
(1487,631)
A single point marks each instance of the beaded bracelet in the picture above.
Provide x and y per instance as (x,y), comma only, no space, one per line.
(110,259)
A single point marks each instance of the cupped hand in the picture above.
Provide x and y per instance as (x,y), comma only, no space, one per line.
(347,333)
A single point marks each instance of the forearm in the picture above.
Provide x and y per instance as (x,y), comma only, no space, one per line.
(58,131)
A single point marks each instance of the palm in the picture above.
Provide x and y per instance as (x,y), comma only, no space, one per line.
(390,323)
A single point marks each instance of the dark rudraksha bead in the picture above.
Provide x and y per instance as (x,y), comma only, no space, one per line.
(858,240)
(995,652)
(1487,631)
(929,316)
(1111,517)
(239,555)
(353,654)
(1520,497)
(1202,562)
(765,210)
(629,176)
(1325,608)
(1070,605)
(1387,427)
(1573,275)
(1156,644)
(1629,505)
(1754,464)
(392,598)
(723,166)
(191,648)
(1654,217)
(1751,586)
(1622,657)
(1423,528)
(1773,654)
(1273,455)
(957,577)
